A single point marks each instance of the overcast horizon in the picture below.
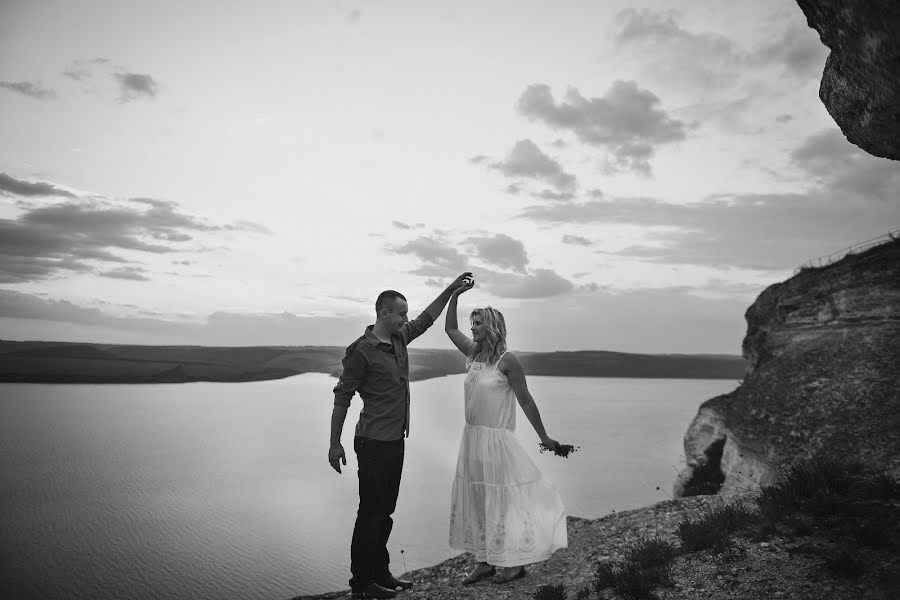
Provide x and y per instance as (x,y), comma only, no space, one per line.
(618,176)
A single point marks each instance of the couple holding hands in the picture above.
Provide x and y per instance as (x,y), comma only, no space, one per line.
(502,510)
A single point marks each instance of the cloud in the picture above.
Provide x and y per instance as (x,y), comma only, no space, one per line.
(699,60)
(96,74)
(669,320)
(440,259)
(798,49)
(576,240)
(626,121)
(80,235)
(133,86)
(27,88)
(840,166)
(851,197)
(539,283)
(27,316)
(756,231)
(711,61)
(129,273)
(501,250)
(83,69)
(527,160)
(17,187)
(248,226)
(553,196)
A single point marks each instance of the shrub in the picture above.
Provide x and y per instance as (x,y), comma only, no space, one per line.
(550,592)
(711,530)
(583,593)
(729,552)
(825,488)
(647,566)
(844,563)
(872,533)
(819,486)
(651,552)
(880,486)
(604,576)
(633,581)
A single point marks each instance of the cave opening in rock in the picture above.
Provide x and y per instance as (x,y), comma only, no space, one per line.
(707,477)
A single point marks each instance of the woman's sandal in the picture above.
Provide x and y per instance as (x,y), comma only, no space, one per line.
(469,580)
(500,578)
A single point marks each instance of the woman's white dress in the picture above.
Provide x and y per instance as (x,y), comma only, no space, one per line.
(502,510)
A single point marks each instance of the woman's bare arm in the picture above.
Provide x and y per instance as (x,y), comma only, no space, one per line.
(459,339)
(512,368)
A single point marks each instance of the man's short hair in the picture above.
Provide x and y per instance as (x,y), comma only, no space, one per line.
(385,297)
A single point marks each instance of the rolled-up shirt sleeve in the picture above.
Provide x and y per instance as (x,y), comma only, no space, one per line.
(352,377)
(413,329)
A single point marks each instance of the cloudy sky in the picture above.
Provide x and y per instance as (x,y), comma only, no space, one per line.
(618,175)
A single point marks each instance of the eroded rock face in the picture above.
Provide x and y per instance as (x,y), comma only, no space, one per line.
(861,81)
(824,348)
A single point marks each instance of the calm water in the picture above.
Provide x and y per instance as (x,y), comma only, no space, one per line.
(223,491)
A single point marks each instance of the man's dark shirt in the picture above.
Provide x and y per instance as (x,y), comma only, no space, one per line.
(380,373)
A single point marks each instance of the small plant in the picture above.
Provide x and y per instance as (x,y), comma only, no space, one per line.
(872,534)
(550,592)
(583,594)
(799,525)
(729,552)
(563,450)
(651,552)
(844,563)
(880,486)
(820,486)
(829,491)
(647,565)
(604,576)
(712,529)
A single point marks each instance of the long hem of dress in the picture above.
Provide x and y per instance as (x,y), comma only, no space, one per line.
(515,561)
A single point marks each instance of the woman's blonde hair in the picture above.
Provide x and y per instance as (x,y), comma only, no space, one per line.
(495,330)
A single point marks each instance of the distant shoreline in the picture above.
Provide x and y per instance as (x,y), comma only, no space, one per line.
(74,362)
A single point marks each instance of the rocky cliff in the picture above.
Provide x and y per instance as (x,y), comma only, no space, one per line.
(824,350)
(861,81)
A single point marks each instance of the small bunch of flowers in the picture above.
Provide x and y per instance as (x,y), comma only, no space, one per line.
(563,450)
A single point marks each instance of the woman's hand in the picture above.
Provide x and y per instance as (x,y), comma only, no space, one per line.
(551,444)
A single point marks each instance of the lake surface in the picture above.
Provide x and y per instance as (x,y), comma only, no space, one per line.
(223,491)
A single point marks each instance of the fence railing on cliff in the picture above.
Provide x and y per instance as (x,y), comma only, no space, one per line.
(827,259)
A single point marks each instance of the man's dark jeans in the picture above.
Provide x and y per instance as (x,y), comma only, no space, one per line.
(380,465)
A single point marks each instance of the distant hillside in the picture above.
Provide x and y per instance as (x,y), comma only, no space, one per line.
(65,362)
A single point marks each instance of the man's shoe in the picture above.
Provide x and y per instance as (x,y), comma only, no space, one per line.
(374,591)
(392,583)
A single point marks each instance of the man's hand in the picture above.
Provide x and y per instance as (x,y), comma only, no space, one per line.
(336,456)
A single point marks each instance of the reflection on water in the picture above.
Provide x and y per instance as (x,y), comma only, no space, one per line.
(224,490)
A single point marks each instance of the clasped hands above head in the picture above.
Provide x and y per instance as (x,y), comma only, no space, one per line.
(464,282)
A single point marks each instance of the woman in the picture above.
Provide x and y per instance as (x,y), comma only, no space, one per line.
(501,510)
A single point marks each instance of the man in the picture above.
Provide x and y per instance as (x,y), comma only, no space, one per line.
(377,366)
